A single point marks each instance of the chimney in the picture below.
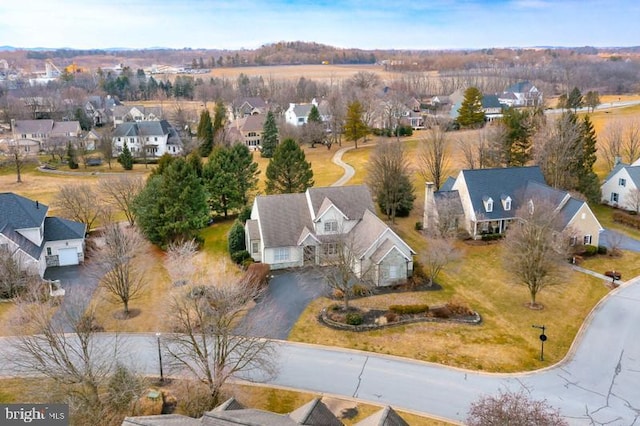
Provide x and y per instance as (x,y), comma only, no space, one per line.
(429,215)
(617,160)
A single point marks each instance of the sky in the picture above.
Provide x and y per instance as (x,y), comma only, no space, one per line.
(365,24)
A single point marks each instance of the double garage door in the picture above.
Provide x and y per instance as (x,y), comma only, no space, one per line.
(68,256)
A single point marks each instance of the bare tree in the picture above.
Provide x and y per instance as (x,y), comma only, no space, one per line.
(555,150)
(123,280)
(14,277)
(119,193)
(434,156)
(614,242)
(18,156)
(486,150)
(536,249)
(612,143)
(56,146)
(179,262)
(513,408)
(631,141)
(106,147)
(78,202)
(210,341)
(439,253)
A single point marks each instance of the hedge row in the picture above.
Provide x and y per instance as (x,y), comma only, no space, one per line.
(632,221)
(409,309)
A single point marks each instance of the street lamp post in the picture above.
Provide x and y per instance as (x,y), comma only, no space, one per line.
(543,338)
(160,358)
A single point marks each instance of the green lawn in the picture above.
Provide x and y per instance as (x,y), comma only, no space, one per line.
(215,237)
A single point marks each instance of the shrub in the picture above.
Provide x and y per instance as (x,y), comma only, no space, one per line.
(236,238)
(418,226)
(458,308)
(360,290)
(602,250)
(338,294)
(491,237)
(418,270)
(240,256)
(409,309)
(245,214)
(632,221)
(335,307)
(590,250)
(391,316)
(440,312)
(353,318)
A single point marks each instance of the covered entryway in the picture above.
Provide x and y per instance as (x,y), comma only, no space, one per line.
(67,256)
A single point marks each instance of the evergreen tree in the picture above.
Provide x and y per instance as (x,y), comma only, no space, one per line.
(313,130)
(86,123)
(71,156)
(125,158)
(236,241)
(195,161)
(245,172)
(173,205)
(219,120)
(574,100)
(588,182)
(269,136)
(354,126)
(470,113)
(288,171)
(517,140)
(220,181)
(205,133)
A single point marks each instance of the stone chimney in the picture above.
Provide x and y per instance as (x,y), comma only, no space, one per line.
(429,216)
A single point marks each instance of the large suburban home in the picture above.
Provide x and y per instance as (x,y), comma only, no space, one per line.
(248,130)
(137,113)
(297,114)
(231,412)
(294,230)
(486,201)
(31,132)
(521,94)
(147,139)
(243,107)
(621,188)
(35,240)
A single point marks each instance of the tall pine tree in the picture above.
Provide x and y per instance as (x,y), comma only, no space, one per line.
(354,126)
(588,182)
(125,158)
(470,113)
(288,171)
(205,133)
(245,172)
(517,139)
(269,136)
(219,120)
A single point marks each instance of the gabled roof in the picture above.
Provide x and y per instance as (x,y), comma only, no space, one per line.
(633,171)
(448,184)
(616,169)
(253,229)
(21,241)
(282,218)
(247,416)
(64,127)
(229,404)
(253,102)
(385,417)
(57,229)
(33,126)
(351,200)
(520,87)
(302,110)
(252,123)
(314,413)
(448,202)
(369,230)
(162,420)
(494,183)
(145,128)
(491,101)
(20,212)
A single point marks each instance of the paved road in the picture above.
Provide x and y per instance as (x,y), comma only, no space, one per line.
(287,296)
(596,384)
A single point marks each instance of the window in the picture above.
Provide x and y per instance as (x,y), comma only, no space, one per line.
(330,249)
(622,182)
(506,203)
(281,254)
(300,119)
(488,204)
(331,226)
(614,197)
(254,247)
(155,139)
(48,251)
(587,239)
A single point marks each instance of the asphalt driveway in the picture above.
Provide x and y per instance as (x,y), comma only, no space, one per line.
(609,237)
(79,283)
(288,294)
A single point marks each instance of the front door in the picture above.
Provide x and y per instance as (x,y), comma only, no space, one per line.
(309,255)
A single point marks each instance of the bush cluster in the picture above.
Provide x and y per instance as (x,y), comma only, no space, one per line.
(590,250)
(602,250)
(627,219)
(354,318)
(491,237)
(409,309)
(360,290)
(458,308)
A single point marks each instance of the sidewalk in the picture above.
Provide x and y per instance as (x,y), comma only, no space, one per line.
(595,274)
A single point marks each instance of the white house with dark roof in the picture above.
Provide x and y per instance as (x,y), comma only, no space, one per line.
(294,230)
(155,137)
(487,200)
(297,114)
(521,94)
(35,240)
(621,187)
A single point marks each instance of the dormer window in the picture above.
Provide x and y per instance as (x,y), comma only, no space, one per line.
(531,208)
(488,204)
(506,202)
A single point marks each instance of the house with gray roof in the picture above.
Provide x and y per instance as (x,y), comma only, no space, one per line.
(148,139)
(313,413)
(297,114)
(248,130)
(35,240)
(36,133)
(621,187)
(521,94)
(487,200)
(123,113)
(294,230)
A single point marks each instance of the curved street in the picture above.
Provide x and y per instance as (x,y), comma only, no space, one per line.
(595,384)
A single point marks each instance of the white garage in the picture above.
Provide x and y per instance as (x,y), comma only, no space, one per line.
(67,256)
